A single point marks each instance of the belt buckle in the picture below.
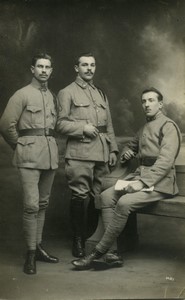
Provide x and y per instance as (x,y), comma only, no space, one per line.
(46,131)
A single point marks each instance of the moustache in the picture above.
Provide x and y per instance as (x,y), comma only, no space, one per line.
(89,73)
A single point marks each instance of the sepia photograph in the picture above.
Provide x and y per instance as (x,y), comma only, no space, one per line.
(92,149)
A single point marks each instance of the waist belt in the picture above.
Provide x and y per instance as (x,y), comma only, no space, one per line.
(147,161)
(37,132)
(102,129)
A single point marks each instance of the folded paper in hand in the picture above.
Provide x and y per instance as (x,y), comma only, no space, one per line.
(121,184)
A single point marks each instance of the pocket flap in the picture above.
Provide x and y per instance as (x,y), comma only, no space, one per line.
(33,108)
(81,103)
(26,140)
(103,104)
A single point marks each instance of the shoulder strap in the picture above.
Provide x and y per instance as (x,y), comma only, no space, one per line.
(161,135)
(102,94)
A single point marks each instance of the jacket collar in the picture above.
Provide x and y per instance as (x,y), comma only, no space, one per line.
(158,115)
(36,84)
(83,84)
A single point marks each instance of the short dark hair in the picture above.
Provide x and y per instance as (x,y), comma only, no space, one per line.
(86,54)
(152,89)
(40,55)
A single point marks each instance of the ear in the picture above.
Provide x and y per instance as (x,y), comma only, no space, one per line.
(32,69)
(161,104)
(76,68)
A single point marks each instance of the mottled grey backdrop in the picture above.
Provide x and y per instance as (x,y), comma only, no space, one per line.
(137,43)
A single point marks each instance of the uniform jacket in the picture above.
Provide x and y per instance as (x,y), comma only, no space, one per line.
(158,138)
(81,103)
(31,107)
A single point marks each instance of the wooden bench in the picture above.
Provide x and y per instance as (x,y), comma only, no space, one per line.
(172,207)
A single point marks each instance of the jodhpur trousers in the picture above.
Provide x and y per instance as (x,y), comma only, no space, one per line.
(36,186)
(116,208)
(85,177)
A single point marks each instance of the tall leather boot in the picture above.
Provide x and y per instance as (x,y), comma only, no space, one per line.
(91,217)
(77,219)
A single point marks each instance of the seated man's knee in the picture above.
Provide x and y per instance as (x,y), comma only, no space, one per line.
(123,206)
(107,197)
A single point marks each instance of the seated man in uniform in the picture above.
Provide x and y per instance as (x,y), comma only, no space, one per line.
(157,145)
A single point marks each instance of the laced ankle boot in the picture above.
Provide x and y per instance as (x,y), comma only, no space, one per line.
(113,260)
(30,263)
(87,262)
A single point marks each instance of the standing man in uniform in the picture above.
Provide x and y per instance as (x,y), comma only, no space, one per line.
(157,145)
(84,116)
(28,125)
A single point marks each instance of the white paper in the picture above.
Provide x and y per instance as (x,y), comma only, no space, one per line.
(121,184)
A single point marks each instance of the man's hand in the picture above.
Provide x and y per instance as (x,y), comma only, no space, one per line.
(127,155)
(112,159)
(90,130)
(134,187)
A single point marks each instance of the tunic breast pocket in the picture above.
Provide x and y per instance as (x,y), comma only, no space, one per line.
(80,110)
(35,114)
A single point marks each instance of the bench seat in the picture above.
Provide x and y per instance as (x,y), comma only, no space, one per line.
(171,207)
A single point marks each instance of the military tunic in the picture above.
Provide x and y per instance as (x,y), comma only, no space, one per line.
(160,139)
(31,108)
(87,158)
(79,104)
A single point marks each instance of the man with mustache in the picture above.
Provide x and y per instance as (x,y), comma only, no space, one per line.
(157,145)
(84,116)
(27,125)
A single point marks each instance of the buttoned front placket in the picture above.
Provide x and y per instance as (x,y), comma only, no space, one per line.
(47,116)
(98,115)
(94,104)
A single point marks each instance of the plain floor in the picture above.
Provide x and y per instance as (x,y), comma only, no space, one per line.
(155,270)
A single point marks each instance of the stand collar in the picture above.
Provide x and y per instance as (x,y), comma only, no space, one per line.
(40,86)
(83,83)
(158,115)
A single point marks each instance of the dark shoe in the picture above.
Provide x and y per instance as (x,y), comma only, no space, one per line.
(42,255)
(87,262)
(30,263)
(113,260)
(78,247)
